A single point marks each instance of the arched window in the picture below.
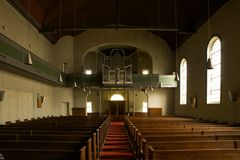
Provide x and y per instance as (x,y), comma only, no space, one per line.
(117,97)
(214,75)
(183,81)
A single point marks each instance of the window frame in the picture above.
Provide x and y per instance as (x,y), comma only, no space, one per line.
(144,107)
(186,77)
(87,107)
(210,45)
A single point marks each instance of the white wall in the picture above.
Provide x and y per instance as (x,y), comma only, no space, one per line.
(63,53)
(20,99)
(226,23)
(162,98)
(140,97)
(62,95)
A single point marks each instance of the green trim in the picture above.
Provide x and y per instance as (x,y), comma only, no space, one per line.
(10,51)
(139,79)
(14,55)
(95,80)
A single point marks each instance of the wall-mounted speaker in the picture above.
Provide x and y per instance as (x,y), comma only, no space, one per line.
(193,101)
(231,96)
(2,92)
(42,99)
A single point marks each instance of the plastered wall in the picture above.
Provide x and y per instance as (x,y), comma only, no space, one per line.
(63,53)
(20,99)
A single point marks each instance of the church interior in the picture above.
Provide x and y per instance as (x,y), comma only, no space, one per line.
(119,79)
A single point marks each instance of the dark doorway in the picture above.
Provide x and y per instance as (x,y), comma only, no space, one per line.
(116,110)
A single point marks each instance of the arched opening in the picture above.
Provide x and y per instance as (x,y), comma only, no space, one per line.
(117,107)
(117,97)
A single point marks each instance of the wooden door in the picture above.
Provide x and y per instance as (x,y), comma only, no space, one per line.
(116,107)
(116,110)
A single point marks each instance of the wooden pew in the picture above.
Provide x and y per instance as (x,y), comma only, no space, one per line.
(194,128)
(162,126)
(152,122)
(51,137)
(196,154)
(177,132)
(212,132)
(194,144)
(63,133)
(43,154)
(81,129)
(44,132)
(58,145)
(173,138)
(86,139)
(179,145)
(46,135)
(141,135)
(63,136)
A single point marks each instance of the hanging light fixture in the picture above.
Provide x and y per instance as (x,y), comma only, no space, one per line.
(74,81)
(28,58)
(75,84)
(60,78)
(144,90)
(64,67)
(60,19)
(74,76)
(176,78)
(209,62)
(151,88)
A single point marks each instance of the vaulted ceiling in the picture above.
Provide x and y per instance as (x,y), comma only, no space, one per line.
(173,20)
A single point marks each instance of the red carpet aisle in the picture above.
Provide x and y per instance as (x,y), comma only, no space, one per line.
(116,146)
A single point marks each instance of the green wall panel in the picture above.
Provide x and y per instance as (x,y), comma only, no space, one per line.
(15,56)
